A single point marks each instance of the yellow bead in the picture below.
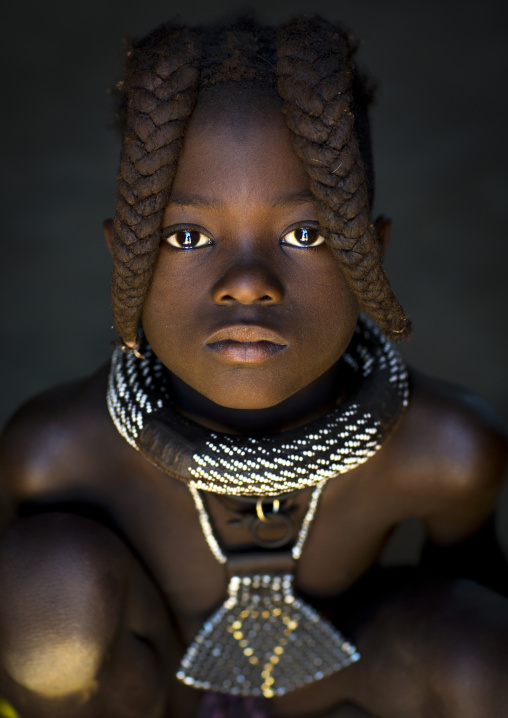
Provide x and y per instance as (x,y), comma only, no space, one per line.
(276,612)
(265,614)
(236,625)
(254,660)
(274,660)
(238,635)
(278,650)
(267,692)
(248,651)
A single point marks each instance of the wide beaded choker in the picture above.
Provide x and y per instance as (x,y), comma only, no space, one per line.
(140,405)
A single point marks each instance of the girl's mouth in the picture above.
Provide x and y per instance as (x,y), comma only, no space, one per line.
(246,343)
(245,352)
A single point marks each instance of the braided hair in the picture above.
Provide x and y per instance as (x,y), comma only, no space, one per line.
(308,62)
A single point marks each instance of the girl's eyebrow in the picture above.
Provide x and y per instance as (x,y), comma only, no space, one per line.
(294,198)
(194,200)
(181,199)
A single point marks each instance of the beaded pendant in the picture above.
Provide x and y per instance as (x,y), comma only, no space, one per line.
(264,641)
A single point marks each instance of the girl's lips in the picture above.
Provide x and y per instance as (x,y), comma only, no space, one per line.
(246,343)
(254,352)
(246,333)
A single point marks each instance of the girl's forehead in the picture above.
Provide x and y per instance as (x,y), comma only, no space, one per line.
(236,109)
(238,150)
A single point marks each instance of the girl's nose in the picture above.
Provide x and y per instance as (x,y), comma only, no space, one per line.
(248,283)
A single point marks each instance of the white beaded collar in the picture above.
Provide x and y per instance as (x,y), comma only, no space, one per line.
(141,408)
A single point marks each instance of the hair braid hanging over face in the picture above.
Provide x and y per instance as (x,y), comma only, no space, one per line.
(309,61)
(316,84)
(161,89)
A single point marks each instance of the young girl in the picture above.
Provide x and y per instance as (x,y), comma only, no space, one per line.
(195,529)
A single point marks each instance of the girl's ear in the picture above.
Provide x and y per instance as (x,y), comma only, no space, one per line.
(107,228)
(383,225)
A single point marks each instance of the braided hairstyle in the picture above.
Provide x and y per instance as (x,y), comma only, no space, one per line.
(308,61)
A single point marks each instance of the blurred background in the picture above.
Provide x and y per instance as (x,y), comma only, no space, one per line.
(440,145)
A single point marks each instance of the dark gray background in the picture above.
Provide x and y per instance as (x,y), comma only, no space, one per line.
(440,141)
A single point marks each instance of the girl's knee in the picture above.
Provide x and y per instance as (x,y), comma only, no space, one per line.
(466,654)
(436,649)
(63,580)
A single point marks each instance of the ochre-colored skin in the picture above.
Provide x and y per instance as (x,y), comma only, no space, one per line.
(107,576)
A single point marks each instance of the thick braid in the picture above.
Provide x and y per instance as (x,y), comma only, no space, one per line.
(160,89)
(315,81)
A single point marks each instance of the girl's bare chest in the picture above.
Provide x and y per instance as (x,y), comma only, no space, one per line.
(163,523)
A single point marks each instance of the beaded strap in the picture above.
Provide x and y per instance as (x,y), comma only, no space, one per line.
(213,544)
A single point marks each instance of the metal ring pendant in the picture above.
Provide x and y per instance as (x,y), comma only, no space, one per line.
(254,523)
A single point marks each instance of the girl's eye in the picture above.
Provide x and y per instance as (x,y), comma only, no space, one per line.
(303,237)
(188,239)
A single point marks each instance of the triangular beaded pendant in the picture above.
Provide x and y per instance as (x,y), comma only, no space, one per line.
(264,641)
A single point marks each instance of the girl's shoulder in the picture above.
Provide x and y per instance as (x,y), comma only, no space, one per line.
(453,424)
(58,438)
(450,448)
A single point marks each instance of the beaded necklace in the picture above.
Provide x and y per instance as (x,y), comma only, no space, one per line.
(140,405)
(263,640)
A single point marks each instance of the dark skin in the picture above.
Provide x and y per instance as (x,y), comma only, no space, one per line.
(103,547)
(252,275)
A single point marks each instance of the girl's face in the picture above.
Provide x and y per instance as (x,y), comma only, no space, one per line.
(247,304)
